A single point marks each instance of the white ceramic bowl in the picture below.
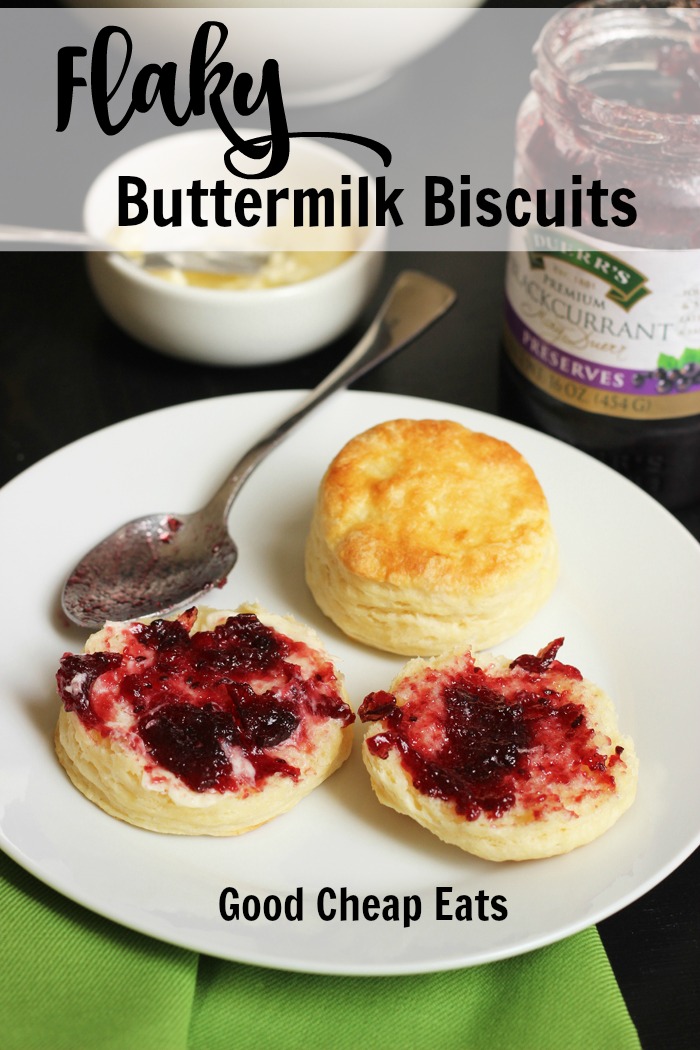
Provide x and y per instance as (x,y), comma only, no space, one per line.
(222,326)
(325,52)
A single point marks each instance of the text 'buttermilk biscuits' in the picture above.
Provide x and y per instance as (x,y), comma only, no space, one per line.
(427,535)
(508,761)
(209,723)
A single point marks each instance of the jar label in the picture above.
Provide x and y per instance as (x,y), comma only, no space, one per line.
(610,330)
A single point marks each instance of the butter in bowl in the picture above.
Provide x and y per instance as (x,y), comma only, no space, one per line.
(308,281)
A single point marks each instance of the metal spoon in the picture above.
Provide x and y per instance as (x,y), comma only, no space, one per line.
(163,562)
(222,264)
(211,262)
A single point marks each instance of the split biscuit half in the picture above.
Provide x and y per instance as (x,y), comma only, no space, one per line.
(209,723)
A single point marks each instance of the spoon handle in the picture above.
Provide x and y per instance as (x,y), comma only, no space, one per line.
(73,238)
(414,303)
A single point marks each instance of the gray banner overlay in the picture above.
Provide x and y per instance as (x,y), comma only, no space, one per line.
(446,115)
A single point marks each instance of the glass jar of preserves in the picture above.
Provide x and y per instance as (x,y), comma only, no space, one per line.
(602,329)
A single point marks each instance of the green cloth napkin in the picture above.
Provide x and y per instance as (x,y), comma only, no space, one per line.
(71,980)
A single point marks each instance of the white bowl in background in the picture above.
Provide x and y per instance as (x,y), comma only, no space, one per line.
(223,326)
(325,53)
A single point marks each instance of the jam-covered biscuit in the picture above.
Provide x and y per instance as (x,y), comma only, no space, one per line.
(508,761)
(427,536)
(209,723)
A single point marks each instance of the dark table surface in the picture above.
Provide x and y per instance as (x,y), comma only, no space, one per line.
(66,371)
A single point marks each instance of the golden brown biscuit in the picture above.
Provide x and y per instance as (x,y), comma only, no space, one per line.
(508,761)
(209,723)
(427,535)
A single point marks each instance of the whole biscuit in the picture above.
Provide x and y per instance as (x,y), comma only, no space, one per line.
(427,535)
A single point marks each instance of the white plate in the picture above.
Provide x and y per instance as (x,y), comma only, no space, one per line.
(628,602)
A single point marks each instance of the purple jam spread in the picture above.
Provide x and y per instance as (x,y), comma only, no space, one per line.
(486,739)
(189,699)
